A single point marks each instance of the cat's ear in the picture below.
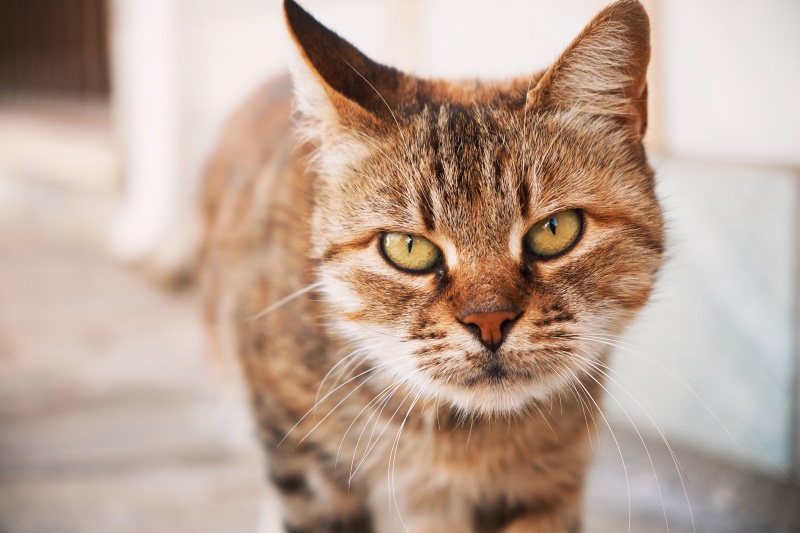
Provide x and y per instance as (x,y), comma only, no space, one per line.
(603,71)
(335,83)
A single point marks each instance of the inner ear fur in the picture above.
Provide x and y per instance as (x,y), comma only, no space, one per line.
(354,83)
(604,70)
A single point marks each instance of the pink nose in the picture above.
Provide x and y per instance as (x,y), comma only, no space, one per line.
(490,325)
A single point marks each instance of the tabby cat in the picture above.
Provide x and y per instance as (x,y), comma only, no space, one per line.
(408,270)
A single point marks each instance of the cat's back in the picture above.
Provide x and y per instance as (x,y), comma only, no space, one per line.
(256,199)
(253,150)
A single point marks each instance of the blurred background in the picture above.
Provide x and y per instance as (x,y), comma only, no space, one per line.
(112,418)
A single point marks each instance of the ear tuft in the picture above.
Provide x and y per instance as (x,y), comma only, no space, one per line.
(604,70)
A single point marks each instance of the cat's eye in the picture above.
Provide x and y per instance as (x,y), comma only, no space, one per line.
(555,234)
(413,253)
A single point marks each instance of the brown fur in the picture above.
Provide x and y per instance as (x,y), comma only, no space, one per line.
(375,364)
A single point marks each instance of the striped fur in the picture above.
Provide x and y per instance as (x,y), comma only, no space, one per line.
(379,410)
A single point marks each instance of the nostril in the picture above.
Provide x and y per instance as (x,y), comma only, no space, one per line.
(491,327)
(474,328)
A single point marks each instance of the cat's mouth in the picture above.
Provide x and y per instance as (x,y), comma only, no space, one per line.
(496,388)
(496,373)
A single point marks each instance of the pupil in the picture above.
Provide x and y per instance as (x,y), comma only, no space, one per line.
(409,242)
(553,224)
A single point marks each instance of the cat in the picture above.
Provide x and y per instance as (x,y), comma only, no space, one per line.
(412,271)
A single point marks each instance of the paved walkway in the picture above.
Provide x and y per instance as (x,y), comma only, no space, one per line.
(109,419)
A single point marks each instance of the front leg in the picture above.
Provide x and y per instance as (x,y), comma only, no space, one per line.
(459,517)
(542,515)
(312,499)
(410,506)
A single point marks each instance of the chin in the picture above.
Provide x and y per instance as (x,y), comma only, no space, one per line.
(491,395)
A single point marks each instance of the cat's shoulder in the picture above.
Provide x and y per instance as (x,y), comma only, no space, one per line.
(247,140)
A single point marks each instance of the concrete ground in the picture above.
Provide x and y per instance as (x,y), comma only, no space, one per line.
(112,421)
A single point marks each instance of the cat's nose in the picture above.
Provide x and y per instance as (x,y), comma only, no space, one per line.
(492,325)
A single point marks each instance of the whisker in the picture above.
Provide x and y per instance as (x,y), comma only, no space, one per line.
(339,362)
(681,473)
(370,443)
(619,448)
(385,427)
(342,401)
(626,348)
(471,423)
(393,460)
(286,299)
(377,398)
(545,417)
(584,406)
(382,401)
(647,451)
(329,394)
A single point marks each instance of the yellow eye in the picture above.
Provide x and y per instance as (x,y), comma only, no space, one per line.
(410,252)
(554,234)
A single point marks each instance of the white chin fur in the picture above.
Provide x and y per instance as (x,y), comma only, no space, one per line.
(508,397)
(500,399)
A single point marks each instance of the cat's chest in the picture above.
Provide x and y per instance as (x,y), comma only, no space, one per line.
(480,459)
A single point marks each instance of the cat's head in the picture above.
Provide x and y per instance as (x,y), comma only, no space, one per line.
(472,236)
